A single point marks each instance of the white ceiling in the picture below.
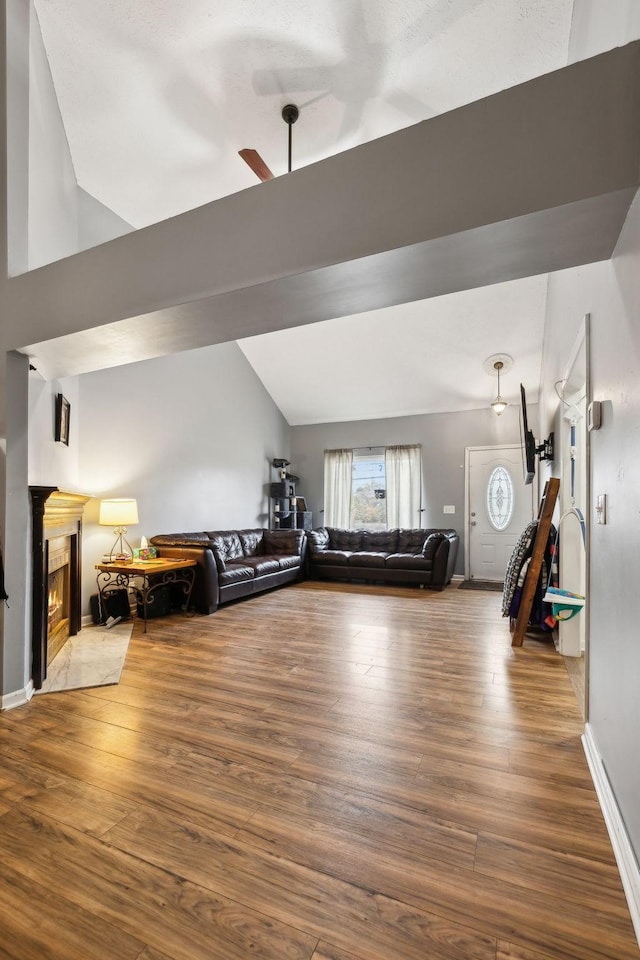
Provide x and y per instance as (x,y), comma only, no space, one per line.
(423,357)
(158,96)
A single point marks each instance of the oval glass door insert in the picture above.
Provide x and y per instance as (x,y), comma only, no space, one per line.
(500,498)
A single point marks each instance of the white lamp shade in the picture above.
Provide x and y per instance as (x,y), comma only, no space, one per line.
(118,513)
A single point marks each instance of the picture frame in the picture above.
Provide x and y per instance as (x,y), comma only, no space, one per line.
(62,419)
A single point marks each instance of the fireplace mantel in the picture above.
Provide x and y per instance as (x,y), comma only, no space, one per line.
(54,513)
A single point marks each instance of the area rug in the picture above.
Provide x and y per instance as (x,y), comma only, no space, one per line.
(93,658)
(496,586)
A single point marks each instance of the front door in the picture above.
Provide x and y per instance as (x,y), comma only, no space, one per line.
(499,505)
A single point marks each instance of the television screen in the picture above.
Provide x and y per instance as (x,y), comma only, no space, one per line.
(528,441)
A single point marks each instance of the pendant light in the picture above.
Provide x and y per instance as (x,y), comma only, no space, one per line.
(499,405)
(496,365)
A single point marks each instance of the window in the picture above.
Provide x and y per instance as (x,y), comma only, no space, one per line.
(368,491)
(373,488)
(500,498)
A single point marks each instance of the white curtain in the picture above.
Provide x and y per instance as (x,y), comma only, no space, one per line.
(337,487)
(403,467)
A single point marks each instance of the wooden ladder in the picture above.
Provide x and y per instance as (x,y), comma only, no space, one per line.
(545,513)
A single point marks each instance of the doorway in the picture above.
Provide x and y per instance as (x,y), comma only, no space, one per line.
(498,506)
(574,394)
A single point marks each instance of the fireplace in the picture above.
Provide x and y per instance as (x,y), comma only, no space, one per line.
(56,573)
(58,594)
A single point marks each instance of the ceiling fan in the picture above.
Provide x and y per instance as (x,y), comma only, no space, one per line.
(290,114)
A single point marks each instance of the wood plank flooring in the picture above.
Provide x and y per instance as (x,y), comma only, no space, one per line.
(324,772)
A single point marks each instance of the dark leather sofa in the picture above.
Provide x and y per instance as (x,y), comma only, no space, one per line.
(425,557)
(236,563)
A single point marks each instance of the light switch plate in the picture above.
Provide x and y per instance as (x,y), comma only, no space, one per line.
(601,508)
(448,509)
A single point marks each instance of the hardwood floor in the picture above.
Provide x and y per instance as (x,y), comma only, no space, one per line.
(324,772)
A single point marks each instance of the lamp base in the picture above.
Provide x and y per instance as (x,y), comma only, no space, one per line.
(118,552)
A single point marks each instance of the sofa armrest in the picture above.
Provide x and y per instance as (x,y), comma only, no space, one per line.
(205,589)
(444,550)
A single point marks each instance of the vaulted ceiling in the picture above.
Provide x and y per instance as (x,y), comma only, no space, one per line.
(158,96)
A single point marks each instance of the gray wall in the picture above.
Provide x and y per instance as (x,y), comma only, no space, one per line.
(443,437)
(190,436)
(610,293)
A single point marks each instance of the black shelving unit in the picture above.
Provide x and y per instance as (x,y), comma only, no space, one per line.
(288,509)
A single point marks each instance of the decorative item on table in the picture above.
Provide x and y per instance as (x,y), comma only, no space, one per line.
(145,553)
(119,513)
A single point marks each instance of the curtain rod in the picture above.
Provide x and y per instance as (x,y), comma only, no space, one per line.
(378,446)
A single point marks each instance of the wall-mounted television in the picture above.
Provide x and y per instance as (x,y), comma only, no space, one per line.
(528,441)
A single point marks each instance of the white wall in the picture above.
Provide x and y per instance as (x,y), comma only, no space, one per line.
(97,223)
(443,437)
(53,203)
(599,25)
(190,436)
(51,462)
(61,217)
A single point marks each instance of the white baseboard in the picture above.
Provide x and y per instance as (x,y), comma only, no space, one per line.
(625,857)
(17,698)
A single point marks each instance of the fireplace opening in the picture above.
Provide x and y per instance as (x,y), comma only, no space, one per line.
(59,594)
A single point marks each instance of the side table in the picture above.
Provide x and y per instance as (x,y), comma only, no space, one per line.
(146,576)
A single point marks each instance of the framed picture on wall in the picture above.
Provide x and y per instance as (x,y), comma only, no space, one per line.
(62,415)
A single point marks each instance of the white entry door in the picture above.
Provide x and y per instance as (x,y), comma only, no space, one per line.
(499,505)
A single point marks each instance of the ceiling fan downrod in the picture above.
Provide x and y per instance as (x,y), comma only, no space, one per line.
(290,114)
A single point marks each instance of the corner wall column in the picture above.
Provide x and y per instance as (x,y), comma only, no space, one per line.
(16,646)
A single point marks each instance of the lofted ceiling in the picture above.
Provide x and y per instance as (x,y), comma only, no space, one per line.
(158,96)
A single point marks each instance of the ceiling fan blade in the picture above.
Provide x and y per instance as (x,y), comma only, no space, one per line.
(253,159)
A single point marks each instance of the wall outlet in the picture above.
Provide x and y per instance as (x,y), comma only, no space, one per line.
(449,509)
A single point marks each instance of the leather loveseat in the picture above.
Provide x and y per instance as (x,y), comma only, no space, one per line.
(236,563)
(425,557)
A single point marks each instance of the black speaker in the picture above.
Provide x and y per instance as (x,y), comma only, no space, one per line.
(112,603)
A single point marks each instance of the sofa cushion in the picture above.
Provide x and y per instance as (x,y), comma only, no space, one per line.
(336,557)
(380,541)
(408,561)
(262,565)
(288,562)
(318,539)
(252,542)
(287,542)
(345,539)
(226,546)
(411,541)
(367,558)
(235,573)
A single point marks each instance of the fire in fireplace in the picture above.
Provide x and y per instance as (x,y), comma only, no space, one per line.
(59,581)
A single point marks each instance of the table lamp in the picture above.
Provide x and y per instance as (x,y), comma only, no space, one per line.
(119,513)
